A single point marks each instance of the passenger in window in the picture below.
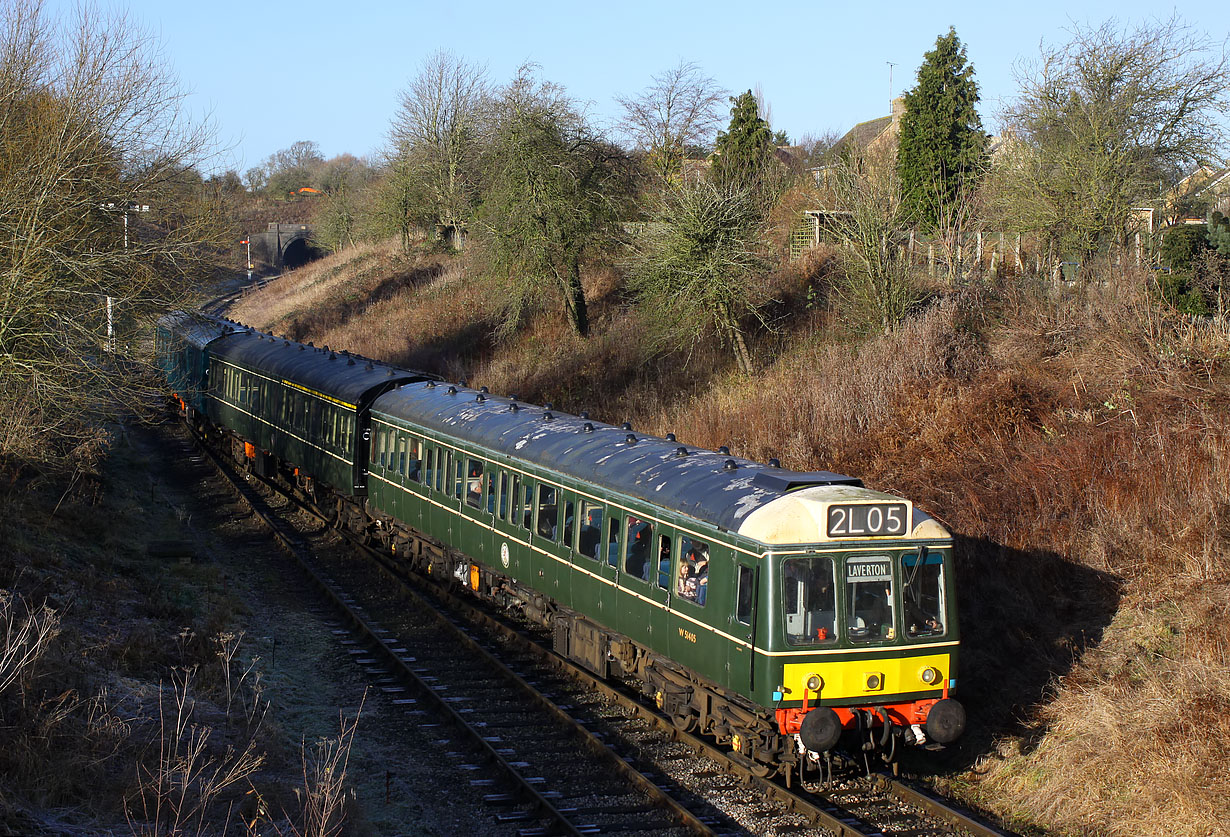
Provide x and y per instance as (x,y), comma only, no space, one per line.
(637,562)
(591,533)
(702,580)
(687,581)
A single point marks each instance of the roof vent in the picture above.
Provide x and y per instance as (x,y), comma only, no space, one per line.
(285,342)
(627,425)
(302,347)
(630,439)
(310,343)
(670,437)
(332,356)
(513,397)
(548,406)
(452,390)
(513,407)
(547,416)
(368,367)
(463,382)
(431,385)
(480,398)
(728,465)
(350,362)
(725,451)
(775,463)
(584,414)
(390,371)
(326,347)
(484,390)
(587,428)
(681,451)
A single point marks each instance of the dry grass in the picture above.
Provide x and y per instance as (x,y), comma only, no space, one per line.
(1076,442)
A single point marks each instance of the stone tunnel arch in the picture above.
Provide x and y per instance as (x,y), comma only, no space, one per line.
(297,252)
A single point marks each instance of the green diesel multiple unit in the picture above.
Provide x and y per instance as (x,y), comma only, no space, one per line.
(774,610)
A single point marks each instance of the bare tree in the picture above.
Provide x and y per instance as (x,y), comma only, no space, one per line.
(682,107)
(436,137)
(553,190)
(1112,117)
(90,127)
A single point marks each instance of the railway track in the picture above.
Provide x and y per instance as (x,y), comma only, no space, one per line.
(552,748)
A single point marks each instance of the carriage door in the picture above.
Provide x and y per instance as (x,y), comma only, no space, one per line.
(741,624)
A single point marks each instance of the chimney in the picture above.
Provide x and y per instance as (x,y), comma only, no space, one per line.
(898,110)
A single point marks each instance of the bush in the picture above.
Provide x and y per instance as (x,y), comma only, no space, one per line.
(1181,245)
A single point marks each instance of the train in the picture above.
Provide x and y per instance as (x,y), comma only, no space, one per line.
(785,614)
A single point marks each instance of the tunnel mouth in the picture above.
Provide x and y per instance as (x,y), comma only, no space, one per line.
(300,252)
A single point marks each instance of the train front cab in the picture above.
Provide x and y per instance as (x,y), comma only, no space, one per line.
(863,641)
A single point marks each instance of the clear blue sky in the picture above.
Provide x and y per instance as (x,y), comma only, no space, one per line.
(273,73)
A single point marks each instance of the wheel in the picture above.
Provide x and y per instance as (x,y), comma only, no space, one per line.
(684,721)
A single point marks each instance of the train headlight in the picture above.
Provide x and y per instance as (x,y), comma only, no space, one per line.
(815,683)
(874,681)
(929,675)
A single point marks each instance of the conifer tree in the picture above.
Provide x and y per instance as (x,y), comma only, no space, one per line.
(743,149)
(942,147)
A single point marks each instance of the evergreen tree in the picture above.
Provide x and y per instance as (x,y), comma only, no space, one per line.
(744,149)
(941,150)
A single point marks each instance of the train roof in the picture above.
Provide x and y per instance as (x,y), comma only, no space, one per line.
(196,329)
(339,376)
(716,487)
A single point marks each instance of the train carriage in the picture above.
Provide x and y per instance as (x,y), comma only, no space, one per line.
(182,343)
(299,405)
(817,592)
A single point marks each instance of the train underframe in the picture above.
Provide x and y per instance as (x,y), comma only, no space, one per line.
(764,741)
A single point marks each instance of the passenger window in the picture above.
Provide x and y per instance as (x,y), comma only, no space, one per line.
(415,464)
(459,474)
(430,467)
(664,562)
(474,484)
(569,523)
(444,461)
(503,495)
(527,507)
(612,541)
(375,447)
(591,530)
(547,512)
(637,537)
(746,595)
(491,494)
(869,599)
(514,500)
(692,583)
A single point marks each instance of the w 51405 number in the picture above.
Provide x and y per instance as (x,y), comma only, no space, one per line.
(849,520)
